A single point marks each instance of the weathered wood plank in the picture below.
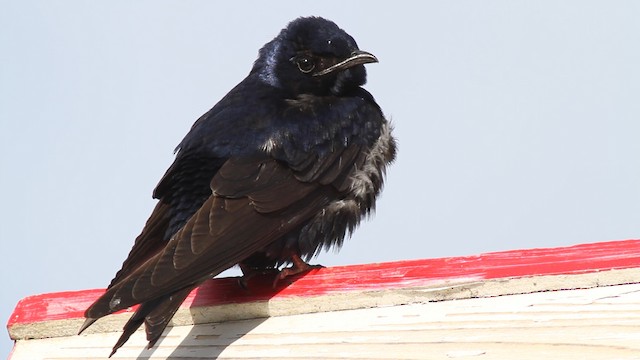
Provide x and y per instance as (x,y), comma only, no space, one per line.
(386,311)
(596,323)
(430,273)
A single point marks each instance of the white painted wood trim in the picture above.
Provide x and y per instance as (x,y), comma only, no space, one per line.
(595,323)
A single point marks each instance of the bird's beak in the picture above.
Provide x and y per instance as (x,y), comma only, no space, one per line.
(357,58)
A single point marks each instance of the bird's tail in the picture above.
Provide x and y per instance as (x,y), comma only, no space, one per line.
(159,317)
(155,314)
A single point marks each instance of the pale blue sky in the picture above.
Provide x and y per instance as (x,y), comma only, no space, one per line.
(518,123)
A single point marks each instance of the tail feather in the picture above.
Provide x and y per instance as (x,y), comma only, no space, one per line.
(129,328)
(155,314)
(158,319)
(134,323)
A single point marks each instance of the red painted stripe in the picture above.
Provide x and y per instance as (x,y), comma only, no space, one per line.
(517,263)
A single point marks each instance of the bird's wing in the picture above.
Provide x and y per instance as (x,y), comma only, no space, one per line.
(185,185)
(255,201)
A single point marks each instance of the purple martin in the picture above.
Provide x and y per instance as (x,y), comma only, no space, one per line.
(285,165)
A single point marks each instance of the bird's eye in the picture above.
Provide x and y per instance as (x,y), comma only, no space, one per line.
(305,64)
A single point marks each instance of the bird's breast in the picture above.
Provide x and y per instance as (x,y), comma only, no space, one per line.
(328,228)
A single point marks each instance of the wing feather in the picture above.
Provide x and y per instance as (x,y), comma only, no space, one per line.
(255,201)
(225,230)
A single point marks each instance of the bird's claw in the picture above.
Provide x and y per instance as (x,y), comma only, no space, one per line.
(299,266)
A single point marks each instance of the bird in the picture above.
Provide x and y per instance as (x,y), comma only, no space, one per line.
(284,166)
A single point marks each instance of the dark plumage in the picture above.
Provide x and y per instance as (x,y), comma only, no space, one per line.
(285,165)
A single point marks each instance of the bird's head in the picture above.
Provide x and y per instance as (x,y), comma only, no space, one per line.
(313,55)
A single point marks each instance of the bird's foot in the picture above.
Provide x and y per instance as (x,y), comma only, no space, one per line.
(299,266)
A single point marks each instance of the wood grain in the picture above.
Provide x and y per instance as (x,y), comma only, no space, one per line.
(597,323)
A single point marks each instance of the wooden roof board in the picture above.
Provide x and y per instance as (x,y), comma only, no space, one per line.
(588,324)
(356,287)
